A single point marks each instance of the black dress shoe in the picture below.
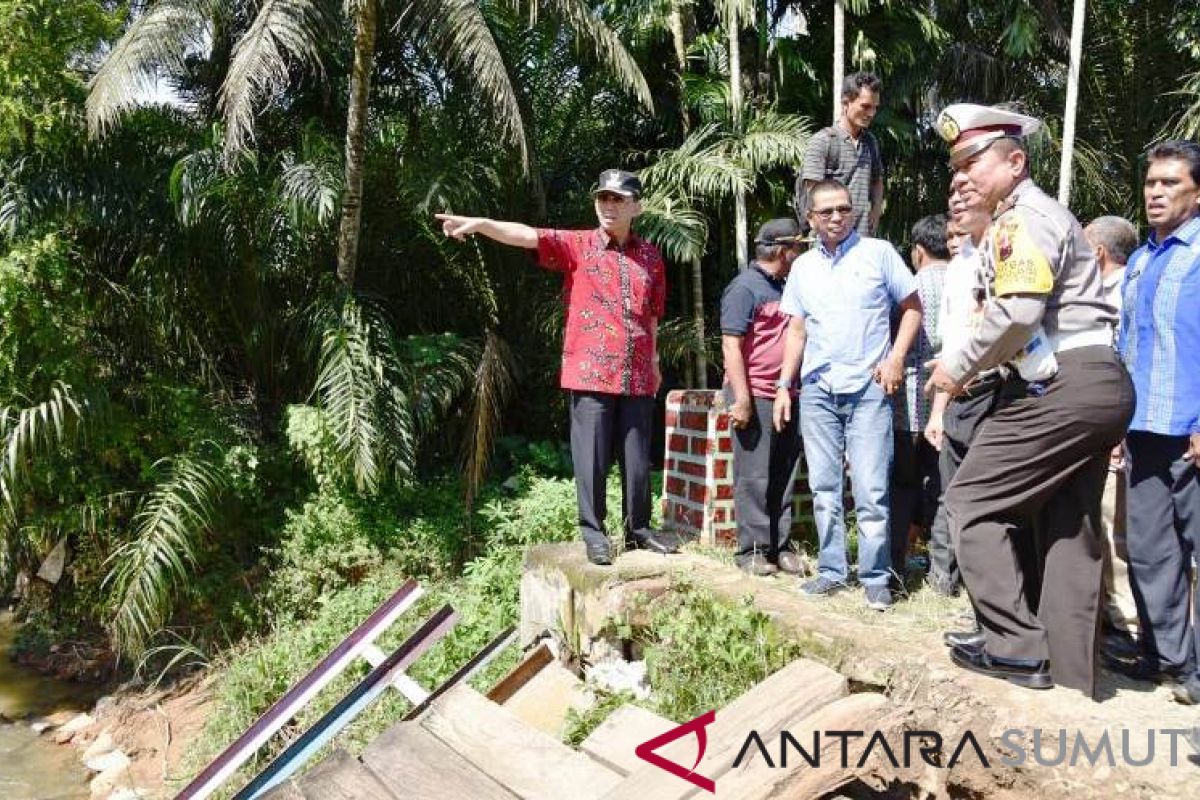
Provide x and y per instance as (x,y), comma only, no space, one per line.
(1030,677)
(1142,668)
(972,639)
(599,554)
(664,542)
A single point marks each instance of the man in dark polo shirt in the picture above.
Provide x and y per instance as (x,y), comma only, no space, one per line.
(615,290)
(764,460)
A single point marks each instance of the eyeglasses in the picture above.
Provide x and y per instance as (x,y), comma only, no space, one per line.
(826,213)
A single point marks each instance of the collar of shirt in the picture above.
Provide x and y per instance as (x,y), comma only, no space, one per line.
(607,242)
(1005,205)
(842,247)
(1186,233)
(1113,279)
(777,280)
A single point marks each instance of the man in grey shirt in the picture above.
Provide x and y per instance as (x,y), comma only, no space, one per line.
(848,153)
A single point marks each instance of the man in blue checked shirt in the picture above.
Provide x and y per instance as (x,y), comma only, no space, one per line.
(840,295)
(1160,343)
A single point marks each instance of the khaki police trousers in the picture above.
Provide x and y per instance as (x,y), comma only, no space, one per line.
(1038,463)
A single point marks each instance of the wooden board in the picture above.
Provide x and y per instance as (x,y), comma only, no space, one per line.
(527,762)
(414,764)
(789,695)
(519,675)
(755,780)
(613,743)
(284,791)
(342,777)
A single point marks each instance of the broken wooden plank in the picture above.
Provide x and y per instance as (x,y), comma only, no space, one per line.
(791,693)
(613,743)
(757,779)
(519,675)
(527,762)
(341,776)
(545,701)
(284,791)
(414,764)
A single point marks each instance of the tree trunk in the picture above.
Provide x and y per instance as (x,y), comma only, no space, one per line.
(679,38)
(366,24)
(735,99)
(1068,140)
(839,56)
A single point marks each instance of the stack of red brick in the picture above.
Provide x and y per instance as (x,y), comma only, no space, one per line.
(698,470)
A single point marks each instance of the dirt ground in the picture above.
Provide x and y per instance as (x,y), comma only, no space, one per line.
(155,728)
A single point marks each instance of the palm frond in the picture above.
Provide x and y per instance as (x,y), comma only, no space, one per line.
(1187,124)
(679,231)
(771,140)
(700,167)
(677,342)
(285,32)
(311,186)
(593,33)
(493,387)
(145,572)
(155,45)
(458,30)
(31,432)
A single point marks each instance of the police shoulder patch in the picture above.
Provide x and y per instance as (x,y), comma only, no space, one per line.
(1020,265)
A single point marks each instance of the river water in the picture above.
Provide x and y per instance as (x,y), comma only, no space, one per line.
(32,767)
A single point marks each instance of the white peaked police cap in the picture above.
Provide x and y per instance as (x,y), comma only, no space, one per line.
(971,128)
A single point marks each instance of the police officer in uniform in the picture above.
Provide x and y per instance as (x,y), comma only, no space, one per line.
(1040,458)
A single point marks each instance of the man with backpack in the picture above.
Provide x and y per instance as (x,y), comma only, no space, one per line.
(848,153)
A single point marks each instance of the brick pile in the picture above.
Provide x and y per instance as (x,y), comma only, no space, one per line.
(698,471)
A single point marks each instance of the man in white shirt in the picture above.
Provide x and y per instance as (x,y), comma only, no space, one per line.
(1114,239)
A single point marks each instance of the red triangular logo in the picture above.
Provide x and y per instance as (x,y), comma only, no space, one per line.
(646,751)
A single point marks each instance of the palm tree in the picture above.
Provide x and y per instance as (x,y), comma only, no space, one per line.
(284,33)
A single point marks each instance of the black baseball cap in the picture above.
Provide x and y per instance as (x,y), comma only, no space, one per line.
(784,230)
(618,181)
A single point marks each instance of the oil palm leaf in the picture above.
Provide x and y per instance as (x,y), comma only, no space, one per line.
(145,573)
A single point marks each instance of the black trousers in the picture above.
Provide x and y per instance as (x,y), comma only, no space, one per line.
(764,471)
(1162,537)
(603,425)
(962,418)
(915,489)
(1039,461)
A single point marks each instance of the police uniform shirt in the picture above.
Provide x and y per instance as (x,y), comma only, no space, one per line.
(1042,271)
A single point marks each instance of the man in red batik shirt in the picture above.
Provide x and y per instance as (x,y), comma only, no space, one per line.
(615,290)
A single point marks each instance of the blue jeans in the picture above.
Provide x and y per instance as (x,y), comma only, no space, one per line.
(857,426)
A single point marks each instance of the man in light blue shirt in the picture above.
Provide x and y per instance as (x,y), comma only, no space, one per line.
(840,296)
(1159,341)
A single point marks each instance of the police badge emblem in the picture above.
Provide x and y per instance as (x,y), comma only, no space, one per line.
(947,127)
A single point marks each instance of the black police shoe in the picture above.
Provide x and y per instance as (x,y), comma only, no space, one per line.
(973,639)
(978,661)
(599,554)
(664,542)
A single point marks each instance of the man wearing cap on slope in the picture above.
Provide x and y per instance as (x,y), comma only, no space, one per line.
(1042,454)
(615,290)
(840,296)
(764,460)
